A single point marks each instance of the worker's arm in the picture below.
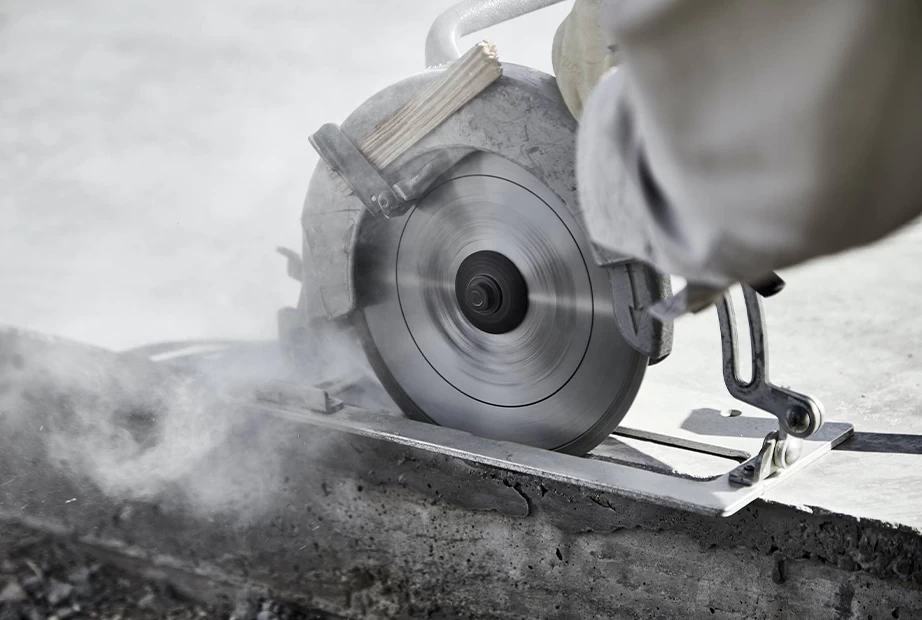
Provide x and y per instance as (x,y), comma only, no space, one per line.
(739,137)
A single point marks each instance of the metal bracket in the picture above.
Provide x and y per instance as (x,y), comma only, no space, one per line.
(296,396)
(777,454)
(799,416)
(293,263)
(636,287)
(344,158)
(419,177)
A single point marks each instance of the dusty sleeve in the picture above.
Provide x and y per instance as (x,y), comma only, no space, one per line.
(739,137)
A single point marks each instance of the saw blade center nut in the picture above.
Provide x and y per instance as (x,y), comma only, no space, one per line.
(484,295)
(491,292)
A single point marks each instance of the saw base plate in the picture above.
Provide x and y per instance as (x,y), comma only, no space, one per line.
(606,469)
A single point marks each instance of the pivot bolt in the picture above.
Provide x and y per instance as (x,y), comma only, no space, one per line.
(384,200)
(798,418)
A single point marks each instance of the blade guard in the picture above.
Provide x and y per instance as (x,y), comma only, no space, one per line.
(521,117)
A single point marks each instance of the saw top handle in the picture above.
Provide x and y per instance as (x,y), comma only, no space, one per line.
(469,16)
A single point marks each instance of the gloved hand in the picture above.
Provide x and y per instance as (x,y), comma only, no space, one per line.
(717,153)
(581,54)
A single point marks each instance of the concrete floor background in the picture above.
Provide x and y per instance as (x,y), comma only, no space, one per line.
(152,154)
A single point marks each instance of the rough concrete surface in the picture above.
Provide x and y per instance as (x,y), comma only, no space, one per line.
(43,576)
(368,529)
(381,532)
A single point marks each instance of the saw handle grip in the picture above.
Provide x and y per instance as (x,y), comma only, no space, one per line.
(443,43)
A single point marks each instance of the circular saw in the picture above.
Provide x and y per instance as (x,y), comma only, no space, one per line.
(442,225)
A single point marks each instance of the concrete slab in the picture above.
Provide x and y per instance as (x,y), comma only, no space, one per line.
(213,497)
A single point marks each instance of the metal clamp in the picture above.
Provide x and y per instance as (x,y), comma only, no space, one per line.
(297,396)
(344,158)
(778,452)
(798,414)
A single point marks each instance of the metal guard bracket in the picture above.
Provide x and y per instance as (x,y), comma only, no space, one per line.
(365,181)
(798,414)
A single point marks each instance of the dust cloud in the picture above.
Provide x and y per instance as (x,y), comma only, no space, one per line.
(139,430)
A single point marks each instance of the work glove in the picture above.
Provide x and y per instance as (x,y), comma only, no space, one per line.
(581,54)
(716,153)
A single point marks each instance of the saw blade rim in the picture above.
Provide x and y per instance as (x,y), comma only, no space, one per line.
(565,435)
(579,446)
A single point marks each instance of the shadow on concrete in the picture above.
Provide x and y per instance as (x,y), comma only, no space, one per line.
(883,443)
(614,450)
(709,421)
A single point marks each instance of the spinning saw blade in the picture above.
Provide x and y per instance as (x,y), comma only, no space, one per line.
(482,310)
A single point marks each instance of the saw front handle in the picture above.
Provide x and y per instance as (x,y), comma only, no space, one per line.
(443,43)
